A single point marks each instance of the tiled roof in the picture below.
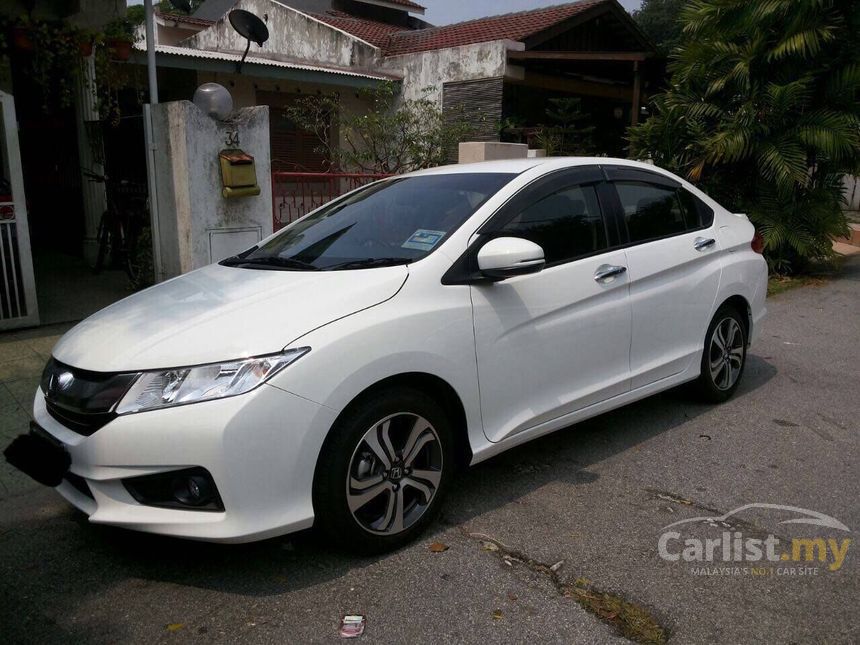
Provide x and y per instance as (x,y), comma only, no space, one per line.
(511,26)
(371,31)
(405,3)
(191,20)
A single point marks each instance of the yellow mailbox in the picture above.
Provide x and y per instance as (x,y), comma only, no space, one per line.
(238,174)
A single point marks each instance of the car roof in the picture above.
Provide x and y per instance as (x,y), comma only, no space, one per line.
(518,166)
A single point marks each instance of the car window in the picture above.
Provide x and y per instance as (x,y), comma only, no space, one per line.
(567,224)
(653,211)
(389,222)
(700,213)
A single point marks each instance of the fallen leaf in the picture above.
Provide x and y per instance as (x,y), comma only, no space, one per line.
(175,627)
(497,615)
(438,547)
(489,546)
(556,566)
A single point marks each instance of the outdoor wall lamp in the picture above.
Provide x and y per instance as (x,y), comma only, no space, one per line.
(214,99)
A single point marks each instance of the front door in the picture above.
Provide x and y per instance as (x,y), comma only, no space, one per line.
(553,342)
(18,307)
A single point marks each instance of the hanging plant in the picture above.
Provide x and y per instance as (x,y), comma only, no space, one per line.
(49,54)
(111,78)
(119,36)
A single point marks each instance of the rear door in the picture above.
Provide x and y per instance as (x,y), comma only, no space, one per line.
(553,342)
(674,269)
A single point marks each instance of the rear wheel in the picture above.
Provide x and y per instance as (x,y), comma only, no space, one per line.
(383,471)
(724,356)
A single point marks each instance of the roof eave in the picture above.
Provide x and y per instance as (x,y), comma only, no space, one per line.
(412,8)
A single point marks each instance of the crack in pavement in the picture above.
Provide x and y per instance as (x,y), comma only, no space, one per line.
(629,619)
(749,527)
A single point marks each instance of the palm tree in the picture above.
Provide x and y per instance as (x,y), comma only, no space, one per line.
(763,110)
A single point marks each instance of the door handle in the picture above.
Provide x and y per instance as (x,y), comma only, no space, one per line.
(702,243)
(605,271)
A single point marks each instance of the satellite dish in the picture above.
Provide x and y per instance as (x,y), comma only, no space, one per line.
(248,26)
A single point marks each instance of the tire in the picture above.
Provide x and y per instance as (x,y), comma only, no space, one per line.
(370,501)
(723,367)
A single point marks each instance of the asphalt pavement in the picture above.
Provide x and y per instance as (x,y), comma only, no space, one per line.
(555,541)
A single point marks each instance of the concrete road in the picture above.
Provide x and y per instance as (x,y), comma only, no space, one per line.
(556,541)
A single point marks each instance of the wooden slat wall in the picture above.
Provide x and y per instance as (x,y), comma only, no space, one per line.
(478,104)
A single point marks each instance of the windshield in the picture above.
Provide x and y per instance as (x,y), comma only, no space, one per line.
(390,222)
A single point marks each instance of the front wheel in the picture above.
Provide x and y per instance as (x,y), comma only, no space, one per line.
(724,356)
(383,471)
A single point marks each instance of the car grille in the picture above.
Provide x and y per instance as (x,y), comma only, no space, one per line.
(81,400)
(79,422)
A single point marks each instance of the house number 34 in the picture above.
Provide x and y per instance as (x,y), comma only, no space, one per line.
(232,138)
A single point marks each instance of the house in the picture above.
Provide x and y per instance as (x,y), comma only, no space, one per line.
(490,69)
(490,72)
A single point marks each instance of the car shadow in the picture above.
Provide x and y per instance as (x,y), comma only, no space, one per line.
(89,558)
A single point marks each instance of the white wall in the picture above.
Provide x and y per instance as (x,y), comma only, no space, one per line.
(433,68)
(197,226)
(292,35)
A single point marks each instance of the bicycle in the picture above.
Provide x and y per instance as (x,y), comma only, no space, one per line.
(122,227)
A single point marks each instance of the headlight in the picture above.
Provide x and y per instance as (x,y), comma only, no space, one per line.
(166,388)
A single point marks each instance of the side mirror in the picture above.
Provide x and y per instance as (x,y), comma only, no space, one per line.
(506,257)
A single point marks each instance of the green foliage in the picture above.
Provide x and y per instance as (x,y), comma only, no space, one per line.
(763,111)
(568,132)
(53,59)
(136,14)
(659,20)
(390,136)
(120,29)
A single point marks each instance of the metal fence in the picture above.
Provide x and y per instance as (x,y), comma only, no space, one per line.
(295,194)
(13,303)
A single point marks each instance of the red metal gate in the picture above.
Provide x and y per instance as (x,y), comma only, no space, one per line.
(295,194)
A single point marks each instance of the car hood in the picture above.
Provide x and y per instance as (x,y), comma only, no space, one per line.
(219,313)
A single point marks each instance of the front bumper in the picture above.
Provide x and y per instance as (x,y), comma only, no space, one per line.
(261,449)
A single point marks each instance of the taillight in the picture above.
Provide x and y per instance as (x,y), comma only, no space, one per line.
(757,243)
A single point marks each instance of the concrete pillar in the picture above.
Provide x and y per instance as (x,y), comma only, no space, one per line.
(90,156)
(472,151)
(197,225)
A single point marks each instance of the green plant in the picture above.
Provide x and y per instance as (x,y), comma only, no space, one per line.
(659,20)
(763,111)
(392,135)
(120,29)
(53,63)
(569,127)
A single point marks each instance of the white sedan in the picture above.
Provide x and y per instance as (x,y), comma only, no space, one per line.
(336,374)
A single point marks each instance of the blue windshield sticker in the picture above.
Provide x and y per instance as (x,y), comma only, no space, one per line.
(423,240)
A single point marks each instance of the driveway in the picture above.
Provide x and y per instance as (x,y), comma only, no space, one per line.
(556,541)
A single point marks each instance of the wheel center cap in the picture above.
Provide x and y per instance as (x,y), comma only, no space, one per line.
(396,473)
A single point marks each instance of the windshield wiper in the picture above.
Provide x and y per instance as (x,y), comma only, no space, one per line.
(274,262)
(368,263)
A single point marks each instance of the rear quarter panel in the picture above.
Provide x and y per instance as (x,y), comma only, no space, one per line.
(744,270)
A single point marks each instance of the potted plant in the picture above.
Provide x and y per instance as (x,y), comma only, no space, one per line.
(21,35)
(119,36)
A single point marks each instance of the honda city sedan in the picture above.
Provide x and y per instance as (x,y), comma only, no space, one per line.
(336,374)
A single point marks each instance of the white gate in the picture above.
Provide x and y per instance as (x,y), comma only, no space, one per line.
(18,306)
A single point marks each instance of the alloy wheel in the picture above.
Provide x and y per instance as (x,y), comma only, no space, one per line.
(726,353)
(394,473)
